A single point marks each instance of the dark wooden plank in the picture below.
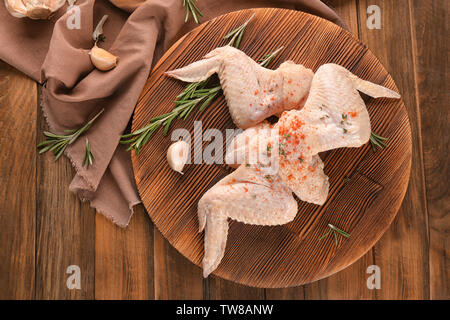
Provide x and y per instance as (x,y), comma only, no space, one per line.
(221,289)
(402,253)
(293,293)
(18,98)
(349,283)
(347,10)
(65,230)
(124,258)
(288,255)
(430,30)
(175,276)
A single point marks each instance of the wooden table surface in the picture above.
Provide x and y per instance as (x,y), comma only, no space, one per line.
(44,228)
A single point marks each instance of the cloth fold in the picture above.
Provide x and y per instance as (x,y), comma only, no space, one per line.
(55,54)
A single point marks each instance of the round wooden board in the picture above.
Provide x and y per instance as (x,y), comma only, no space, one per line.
(366,188)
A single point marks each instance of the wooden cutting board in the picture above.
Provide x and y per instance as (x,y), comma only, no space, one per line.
(366,187)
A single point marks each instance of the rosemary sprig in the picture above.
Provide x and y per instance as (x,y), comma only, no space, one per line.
(183,108)
(335,231)
(193,95)
(235,36)
(57,143)
(88,156)
(268,57)
(377,142)
(191,8)
(188,99)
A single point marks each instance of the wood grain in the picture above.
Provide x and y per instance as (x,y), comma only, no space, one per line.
(18,96)
(400,252)
(291,250)
(348,284)
(429,25)
(175,277)
(65,230)
(124,258)
(347,10)
(221,289)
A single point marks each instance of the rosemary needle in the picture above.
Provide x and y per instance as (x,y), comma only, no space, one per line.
(377,142)
(88,156)
(335,230)
(57,143)
(267,58)
(235,36)
(191,8)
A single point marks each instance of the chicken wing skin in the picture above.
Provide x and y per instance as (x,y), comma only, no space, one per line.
(334,116)
(257,146)
(246,196)
(253,93)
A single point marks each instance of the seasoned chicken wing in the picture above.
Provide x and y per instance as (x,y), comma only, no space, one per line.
(246,196)
(253,93)
(258,146)
(334,116)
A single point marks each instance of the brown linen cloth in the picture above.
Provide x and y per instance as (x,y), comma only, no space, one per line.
(74,91)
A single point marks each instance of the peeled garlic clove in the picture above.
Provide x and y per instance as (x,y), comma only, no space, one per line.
(102,59)
(177,155)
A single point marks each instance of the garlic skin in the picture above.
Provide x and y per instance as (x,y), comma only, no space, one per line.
(33,9)
(177,155)
(99,28)
(102,59)
(16,8)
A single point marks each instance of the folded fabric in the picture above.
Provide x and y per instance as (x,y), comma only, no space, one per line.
(55,53)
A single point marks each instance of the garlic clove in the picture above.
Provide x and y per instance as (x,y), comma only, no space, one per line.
(177,155)
(102,59)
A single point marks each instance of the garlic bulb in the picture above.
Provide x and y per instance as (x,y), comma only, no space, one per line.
(102,59)
(177,155)
(33,9)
